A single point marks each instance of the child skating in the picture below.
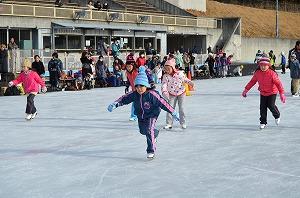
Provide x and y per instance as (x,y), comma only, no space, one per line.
(269,86)
(31,81)
(147,105)
(173,89)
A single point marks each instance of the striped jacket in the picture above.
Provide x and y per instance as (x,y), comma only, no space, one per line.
(147,105)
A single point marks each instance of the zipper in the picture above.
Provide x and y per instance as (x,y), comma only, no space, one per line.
(141,101)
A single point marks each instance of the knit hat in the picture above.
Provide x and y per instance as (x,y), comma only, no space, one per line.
(27,63)
(171,62)
(130,59)
(142,78)
(264,61)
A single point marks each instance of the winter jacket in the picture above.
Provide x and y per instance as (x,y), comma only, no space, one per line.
(295,69)
(131,78)
(101,69)
(147,105)
(268,81)
(38,67)
(31,81)
(140,62)
(174,85)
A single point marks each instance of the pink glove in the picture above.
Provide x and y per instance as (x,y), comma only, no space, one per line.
(244,94)
(282,98)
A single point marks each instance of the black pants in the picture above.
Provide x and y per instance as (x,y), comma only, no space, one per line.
(268,102)
(283,69)
(30,108)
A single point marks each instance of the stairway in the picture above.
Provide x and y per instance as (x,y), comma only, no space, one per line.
(139,6)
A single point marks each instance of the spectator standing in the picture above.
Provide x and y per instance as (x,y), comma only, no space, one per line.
(38,66)
(272,59)
(115,48)
(295,75)
(55,67)
(211,64)
(101,71)
(86,61)
(3,59)
(186,62)
(296,51)
(101,47)
(283,63)
(141,60)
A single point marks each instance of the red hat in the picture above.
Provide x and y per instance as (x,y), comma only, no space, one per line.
(264,61)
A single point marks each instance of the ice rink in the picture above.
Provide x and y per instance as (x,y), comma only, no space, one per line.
(76,149)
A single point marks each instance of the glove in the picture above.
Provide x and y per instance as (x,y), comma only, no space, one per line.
(282,98)
(126,90)
(244,94)
(111,107)
(44,89)
(10,84)
(175,116)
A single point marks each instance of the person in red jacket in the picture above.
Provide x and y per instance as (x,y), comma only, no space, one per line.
(31,81)
(269,86)
(141,60)
(131,73)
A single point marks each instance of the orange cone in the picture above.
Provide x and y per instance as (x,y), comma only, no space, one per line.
(189,76)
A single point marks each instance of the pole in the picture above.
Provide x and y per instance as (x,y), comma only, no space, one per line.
(277,17)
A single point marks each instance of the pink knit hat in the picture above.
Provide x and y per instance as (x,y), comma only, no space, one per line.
(171,62)
(264,61)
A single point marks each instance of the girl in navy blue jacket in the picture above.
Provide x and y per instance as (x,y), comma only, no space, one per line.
(147,105)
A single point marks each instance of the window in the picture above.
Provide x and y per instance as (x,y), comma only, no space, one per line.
(46,42)
(3,39)
(127,43)
(14,34)
(25,35)
(74,42)
(90,41)
(60,42)
(139,43)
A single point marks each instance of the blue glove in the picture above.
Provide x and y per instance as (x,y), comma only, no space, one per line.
(175,116)
(111,107)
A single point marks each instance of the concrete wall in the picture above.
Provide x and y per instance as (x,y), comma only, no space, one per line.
(189,4)
(251,45)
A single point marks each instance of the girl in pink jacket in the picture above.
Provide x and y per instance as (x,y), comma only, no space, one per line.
(173,89)
(269,85)
(31,81)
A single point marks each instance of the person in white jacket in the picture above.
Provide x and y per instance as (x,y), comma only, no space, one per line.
(173,90)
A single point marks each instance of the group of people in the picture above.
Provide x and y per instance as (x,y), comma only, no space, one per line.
(147,102)
(97,5)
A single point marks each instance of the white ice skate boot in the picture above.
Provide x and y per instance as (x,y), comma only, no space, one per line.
(183,126)
(168,126)
(262,126)
(33,115)
(150,155)
(277,121)
(28,116)
(132,119)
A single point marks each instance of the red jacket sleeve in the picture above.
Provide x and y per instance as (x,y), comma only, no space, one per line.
(39,80)
(19,79)
(278,83)
(252,82)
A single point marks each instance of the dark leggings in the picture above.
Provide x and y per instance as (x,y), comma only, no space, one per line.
(30,108)
(268,102)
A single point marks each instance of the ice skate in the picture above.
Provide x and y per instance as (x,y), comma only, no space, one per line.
(277,121)
(150,155)
(262,126)
(183,126)
(33,115)
(295,95)
(168,126)
(28,116)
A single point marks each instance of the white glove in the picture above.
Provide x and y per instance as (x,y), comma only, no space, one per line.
(10,84)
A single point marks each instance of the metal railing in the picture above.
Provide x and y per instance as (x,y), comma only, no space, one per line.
(104,16)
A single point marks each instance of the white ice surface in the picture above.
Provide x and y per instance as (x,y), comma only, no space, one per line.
(76,149)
